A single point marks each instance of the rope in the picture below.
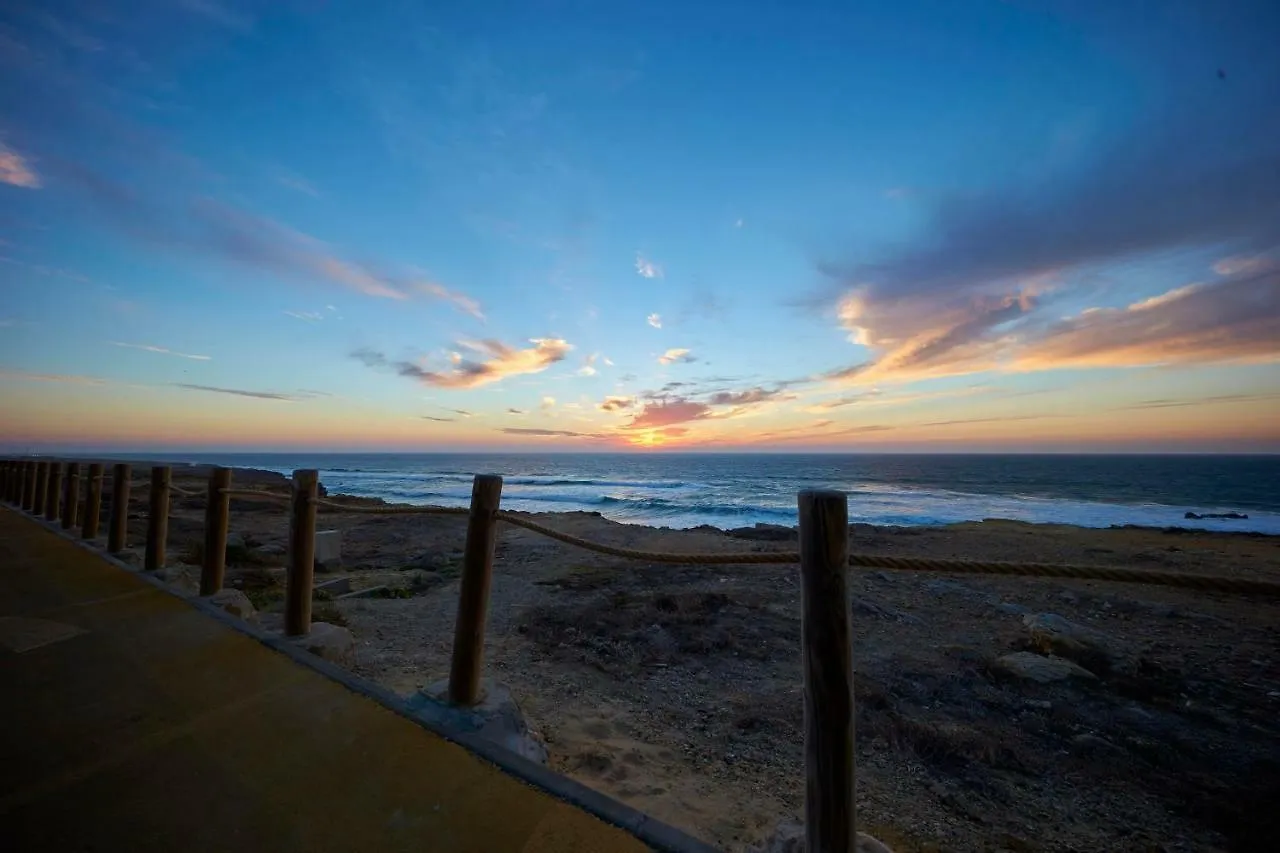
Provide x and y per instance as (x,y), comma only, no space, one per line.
(1117,574)
(652,556)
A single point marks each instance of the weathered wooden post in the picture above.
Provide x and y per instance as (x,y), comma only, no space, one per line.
(118,532)
(52,486)
(92,501)
(29,487)
(158,518)
(826,640)
(217,510)
(71,496)
(42,478)
(6,489)
(302,553)
(473,596)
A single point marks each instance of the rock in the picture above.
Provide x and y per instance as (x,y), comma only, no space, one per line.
(1094,744)
(330,642)
(234,602)
(367,592)
(1011,608)
(1040,669)
(1232,515)
(432,561)
(496,718)
(273,549)
(336,586)
(789,838)
(185,578)
(765,533)
(321,491)
(1052,634)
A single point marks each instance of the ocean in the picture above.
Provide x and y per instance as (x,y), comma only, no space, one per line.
(735,490)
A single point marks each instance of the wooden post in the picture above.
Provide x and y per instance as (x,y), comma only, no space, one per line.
(827,640)
(6,492)
(302,553)
(71,496)
(29,487)
(118,532)
(42,477)
(217,509)
(158,518)
(473,597)
(52,486)
(92,501)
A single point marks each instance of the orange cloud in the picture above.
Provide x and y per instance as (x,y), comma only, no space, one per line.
(15,171)
(503,361)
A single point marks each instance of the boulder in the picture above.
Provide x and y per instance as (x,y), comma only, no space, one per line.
(184,578)
(765,533)
(330,642)
(1040,669)
(497,718)
(789,838)
(234,602)
(1052,634)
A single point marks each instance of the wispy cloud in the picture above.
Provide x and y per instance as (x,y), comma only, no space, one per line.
(23,376)
(646,268)
(243,238)
(308,316)
(676,356)
(666,414)
(438,420)
(655,320)
(548,433)
(748,396)
(295,182)
(502,361)
(160,350)
(16,171)
(220,13)
(515,411)
(239,392)
(589,365)
(1201,401)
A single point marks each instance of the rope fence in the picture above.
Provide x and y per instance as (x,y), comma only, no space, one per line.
(33,486)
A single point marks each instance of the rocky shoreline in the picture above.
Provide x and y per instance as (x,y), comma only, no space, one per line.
(994,713)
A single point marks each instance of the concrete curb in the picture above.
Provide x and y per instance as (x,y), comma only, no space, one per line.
(431,716)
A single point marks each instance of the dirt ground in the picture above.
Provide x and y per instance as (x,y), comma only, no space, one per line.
(679,690)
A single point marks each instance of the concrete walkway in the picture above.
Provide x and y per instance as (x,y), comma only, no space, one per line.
(132,721)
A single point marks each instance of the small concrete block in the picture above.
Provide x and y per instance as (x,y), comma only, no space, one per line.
(336,586)
(329,548)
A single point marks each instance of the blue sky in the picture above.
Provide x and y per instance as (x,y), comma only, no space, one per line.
(988,225)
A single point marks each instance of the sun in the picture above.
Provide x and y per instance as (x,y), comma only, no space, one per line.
(649,438)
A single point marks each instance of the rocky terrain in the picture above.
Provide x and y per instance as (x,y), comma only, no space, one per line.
(992,713)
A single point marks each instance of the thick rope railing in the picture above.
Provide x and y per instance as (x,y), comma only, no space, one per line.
(1065,571)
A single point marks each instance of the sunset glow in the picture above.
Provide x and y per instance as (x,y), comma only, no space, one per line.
(338,228)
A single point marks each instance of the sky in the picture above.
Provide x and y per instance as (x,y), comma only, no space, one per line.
(997,225)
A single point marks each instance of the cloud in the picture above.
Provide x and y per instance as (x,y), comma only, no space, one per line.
(16,171)
(655,320)
(461,301)
(676,356)
(502,361)
(295,182)
(646,268)
(589,365)
(236,236)
(546,432)
(666,414)
(1201,401)
(461,413)
(547,403)
(220,13)
(515,411)
(308,316)
(160,350)
(438,420)
(983,285)
(23,376)
(748,397)
(615,404)
(841,402)
(257,395)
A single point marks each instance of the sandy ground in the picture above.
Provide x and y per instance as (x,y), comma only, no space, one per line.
(678,689)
